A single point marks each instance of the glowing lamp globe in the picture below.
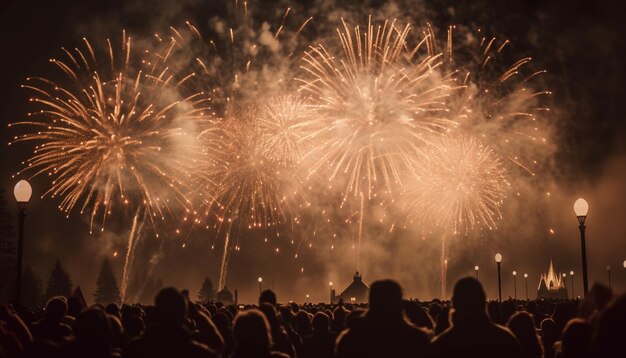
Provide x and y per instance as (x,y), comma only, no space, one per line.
(260,279)
(498,258)
(22,191)
(330,283)
(525,275)
(564,274)
(514,273)
(625,264)
(581,208)
(476,267)
(571,273)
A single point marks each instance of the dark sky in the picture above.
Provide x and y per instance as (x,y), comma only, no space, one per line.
(580,43)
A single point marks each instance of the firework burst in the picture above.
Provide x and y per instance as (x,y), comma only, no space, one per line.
(461,184)
(109,135)
(375,103)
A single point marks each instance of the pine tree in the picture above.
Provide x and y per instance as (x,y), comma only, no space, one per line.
(59,283)
(107,290)
(31,289)
(8,260)
(207,292)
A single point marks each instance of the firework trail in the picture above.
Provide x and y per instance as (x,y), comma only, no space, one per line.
(135,233)
(376,103)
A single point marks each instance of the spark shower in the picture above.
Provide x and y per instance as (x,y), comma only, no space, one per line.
(233,131)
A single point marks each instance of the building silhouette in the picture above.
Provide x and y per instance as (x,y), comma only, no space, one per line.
(225,297)
(356,292)
(552,285)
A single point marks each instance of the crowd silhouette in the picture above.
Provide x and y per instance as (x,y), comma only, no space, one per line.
(388,326)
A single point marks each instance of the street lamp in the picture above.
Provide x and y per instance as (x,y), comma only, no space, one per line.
(498,260)
(476,269)
(515,283)
(307,298)
(526,279)
(571,273)
(330,284)
(608,271)
(581,208)
(260,279)
(22,192)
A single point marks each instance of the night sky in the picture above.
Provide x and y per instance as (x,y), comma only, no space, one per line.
(580,44)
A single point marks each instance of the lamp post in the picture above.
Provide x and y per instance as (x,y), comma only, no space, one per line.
(476,269)
(608,271)
(498,260)
(526,279)
(515,283)
(260,279)
(307,298)
(330,284)
(22,192)
(581,208)
(571,273)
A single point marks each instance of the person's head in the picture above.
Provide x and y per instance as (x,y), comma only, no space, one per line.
(523,327)
(56,308)
(251,332)
(169,303)
(576,338)
(270,314)
(93,329)
(385,301)
(417,315)
(113,309)
(134,326)
(468,296)
(321,322)
(301,323)
(268,296)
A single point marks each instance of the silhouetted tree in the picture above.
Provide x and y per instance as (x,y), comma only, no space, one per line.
(7,251)
(59,283)
(32,296)
(207,292)
(107,290)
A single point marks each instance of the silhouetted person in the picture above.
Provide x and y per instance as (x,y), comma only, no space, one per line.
(339,320)
(224,326)
(610,335)
(472,334)
(418,316)
(166,335)
(531,307)
(301,323)
(251,333)
(384,332)
(443,320)
(523,328)
(51,326)
(267,296)
(321,343)
(93,336)
(575,340)
(549,336)
(280,339)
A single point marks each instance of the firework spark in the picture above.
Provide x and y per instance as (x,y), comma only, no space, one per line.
(376,103)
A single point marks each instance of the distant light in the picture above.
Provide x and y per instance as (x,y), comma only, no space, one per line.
(498,257)
(514,273)
(476,268)
(525,275)
(581,208)
(260,279)
(330,283)
(571,273)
